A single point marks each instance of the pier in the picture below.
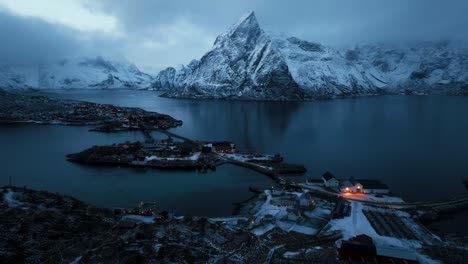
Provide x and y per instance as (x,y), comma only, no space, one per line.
(274,172)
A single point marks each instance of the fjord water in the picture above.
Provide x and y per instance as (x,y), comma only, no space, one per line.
(415,144)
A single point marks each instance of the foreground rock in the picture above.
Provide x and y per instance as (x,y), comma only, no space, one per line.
(247,63)
(21,107)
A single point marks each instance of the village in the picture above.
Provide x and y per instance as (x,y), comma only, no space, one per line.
(361,218)
(310,221)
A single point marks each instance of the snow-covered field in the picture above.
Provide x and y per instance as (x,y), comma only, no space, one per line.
(357,224)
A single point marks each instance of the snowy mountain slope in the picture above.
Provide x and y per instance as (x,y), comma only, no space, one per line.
(425,67)
(322,71)
(245,62)
(82,73)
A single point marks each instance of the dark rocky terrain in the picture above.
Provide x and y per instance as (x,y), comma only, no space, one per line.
(42,227)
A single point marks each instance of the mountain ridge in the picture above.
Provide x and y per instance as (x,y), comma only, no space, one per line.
(247,63)
(80,73)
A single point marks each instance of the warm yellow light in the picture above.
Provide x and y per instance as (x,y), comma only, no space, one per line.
(359,187)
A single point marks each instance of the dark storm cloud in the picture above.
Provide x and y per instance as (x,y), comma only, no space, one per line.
(325,20)
(28,41)
(156,34)
(329,21)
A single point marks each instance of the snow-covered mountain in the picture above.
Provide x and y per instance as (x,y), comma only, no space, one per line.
(82,73)
(246,62)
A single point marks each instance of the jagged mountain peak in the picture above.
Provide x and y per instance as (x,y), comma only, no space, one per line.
(245,32)
(243,63)
(248,20)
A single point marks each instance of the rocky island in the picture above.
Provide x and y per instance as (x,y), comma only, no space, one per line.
(27,108)
(186,154)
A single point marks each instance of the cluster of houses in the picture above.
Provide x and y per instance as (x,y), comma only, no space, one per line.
(219,147)
(295,204)
(166,148)
(352,185)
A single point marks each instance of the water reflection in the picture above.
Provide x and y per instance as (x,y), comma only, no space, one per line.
(415,144)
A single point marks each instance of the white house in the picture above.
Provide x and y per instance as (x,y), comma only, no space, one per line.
(330,181)
(351,186)
(346,186)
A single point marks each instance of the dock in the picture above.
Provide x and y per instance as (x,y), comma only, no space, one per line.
(264,170)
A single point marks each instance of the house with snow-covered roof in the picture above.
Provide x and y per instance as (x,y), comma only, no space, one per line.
(363,186)
(330,181)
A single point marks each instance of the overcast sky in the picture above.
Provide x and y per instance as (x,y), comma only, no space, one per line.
(155,34)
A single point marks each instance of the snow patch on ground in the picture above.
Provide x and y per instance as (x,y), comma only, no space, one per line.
(10,200)
(290,254)
(260,230)
(139,218)
(247,157)
(423,259)
(193,157)
(304,229)
(76,261)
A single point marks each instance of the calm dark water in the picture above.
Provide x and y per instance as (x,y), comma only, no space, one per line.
(415,144)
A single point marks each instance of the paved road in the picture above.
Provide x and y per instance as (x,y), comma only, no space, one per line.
(402,205)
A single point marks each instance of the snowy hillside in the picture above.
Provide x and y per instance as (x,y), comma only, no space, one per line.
(245,62)
(82,73)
